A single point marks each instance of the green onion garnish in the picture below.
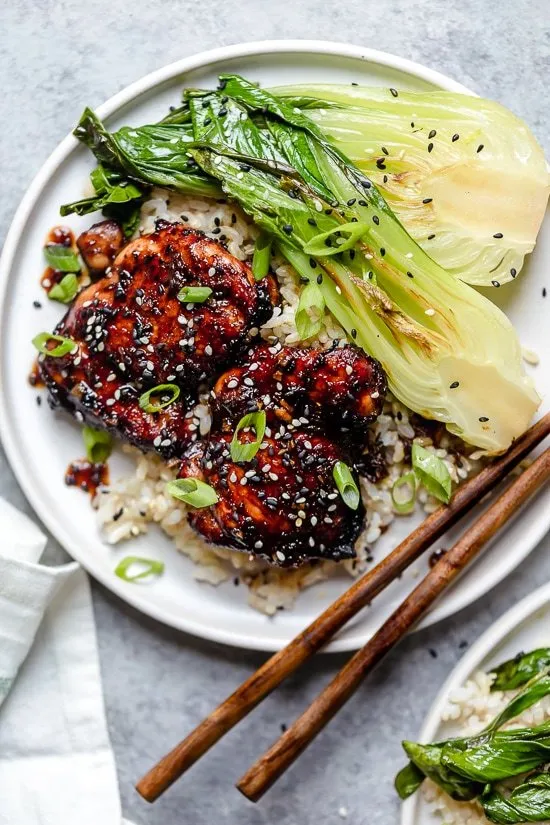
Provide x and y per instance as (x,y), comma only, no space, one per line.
(262,256)
(98,445)
(246,451)
(317,246)
(403,493)
(64,346)
(194,294)
(150,567)
(192,491)
(65,290)
(432,472)
(347,487)
(62,258)
(309,311)
(172,391)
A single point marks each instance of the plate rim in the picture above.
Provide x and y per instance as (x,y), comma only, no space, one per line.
(489,639)
(59,155)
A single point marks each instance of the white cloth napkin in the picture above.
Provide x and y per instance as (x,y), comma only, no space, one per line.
(56,762)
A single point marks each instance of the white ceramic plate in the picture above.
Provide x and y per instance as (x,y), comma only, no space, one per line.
(40,444)
(525,627)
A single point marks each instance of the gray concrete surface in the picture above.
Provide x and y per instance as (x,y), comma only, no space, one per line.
(55,56)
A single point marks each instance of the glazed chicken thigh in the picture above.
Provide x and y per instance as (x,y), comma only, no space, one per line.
(132,333)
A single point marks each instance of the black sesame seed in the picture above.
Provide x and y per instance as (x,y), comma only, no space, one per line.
(312,221)
(382,251)
(380,163)
(463,644)
(385,178)
(328,211)
(483,418)
(433,653)
(432,134)
(427,200)
(312,263)
(216,231)
(353,333)
(351,201)
(410,275)
(376,219)
(222,84)
(222,112)
(480,147)
(319,279)
(394,92)
(354,84)
(385,150)
(412,124)
(431,237)
(513,272)
(498,235)
(38,400)
(207,121)
(455,138)
(287,228)
(233,218)
(217,221)
(544,293)
(352,254)
(37,304)
(362,203)
(454,385)
(430,147)
(495,283)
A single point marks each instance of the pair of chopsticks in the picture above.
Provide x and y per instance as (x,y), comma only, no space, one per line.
(259,778)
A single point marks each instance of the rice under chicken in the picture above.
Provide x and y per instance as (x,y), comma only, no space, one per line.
(131,503)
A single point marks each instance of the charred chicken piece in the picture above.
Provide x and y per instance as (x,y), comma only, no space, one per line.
(132,333)
(340,390)
(282,506)
(100,244)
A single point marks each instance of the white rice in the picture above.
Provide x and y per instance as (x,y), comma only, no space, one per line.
(133,502)
(470,709)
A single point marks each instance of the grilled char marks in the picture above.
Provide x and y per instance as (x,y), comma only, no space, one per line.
(284,505)
(133,334)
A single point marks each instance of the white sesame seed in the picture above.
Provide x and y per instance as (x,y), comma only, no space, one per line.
(156,442)
(327,520)
(208,349)
(244,481)
(182,320)
(349,369)
(409,255)
(150,348)
(298,522)
(253,367)
(165,442)
(280,555)
(313,521)
(301,513)
(266,468)
(232,384)
(295,422)
(100,346)
(274,477)
(250,473)
(332,496)
(233,478)
(311,541)
(375,394)
(212,271)
(259,544)
(430,312)
(110,402)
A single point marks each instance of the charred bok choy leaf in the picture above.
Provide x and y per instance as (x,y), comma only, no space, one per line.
(473,767)
(515,672)
(465,176)
(449,353)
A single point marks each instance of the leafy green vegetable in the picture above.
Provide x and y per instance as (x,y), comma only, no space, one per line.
(527,802)
(193,491)
(430,332)
(65,290)
(346,485)
(408,780)
(64,345)
(98,444)
(309,312)
(516,672)
(246,450)
(61,258)
(262,257)
(149,567)
(477,213)
(432,472)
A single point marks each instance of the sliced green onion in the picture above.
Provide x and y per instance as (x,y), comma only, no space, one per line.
(98,445)
(65,290)
(64,346)
(192,491)
(403,493)
(150,567)
(347,487)
(145,399)
(317,245)
(246,452)
(62,258)
(194,294)
(262,256)
(432,472)
(309,311)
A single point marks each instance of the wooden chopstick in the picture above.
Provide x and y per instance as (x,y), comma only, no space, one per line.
(291,744)
(287,660)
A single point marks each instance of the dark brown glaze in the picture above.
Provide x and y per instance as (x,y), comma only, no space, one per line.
(87,476)
(282,506)
(340,390)
(100,244)
(61,235)
(50,277)
(132,333)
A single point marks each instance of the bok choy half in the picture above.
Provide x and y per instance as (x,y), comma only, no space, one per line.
(465,176)
(449,353)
